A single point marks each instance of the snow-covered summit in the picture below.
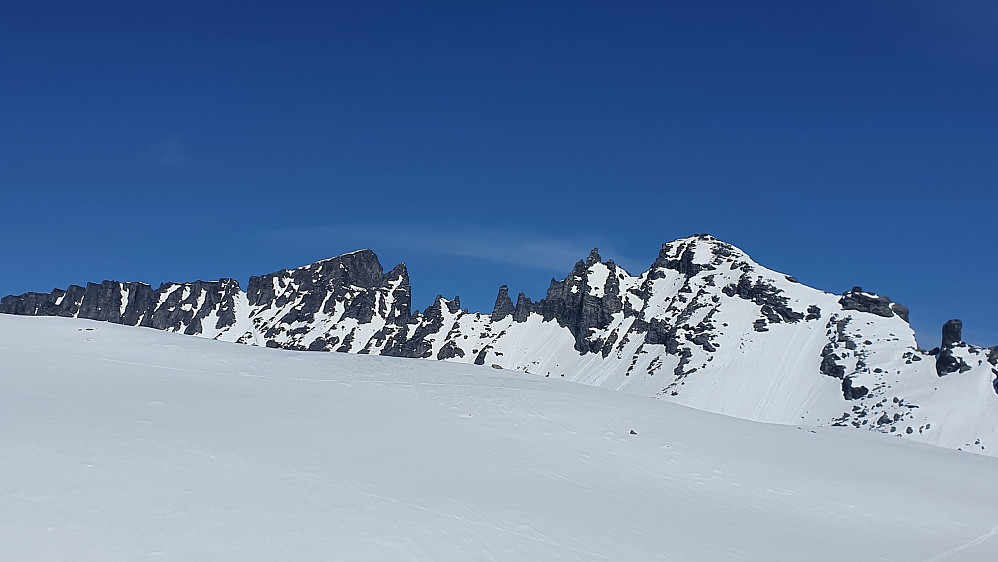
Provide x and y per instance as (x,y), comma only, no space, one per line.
(705,326)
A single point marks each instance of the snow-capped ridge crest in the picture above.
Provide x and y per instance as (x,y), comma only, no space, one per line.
(705,326)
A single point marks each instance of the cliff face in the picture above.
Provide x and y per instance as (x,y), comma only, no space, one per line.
(705,326)
(345,303)
(190,308)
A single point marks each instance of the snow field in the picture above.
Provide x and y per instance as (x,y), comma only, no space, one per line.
(124,443)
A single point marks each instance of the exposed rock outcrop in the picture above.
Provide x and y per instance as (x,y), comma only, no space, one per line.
(773,302)
(179,307)
(523,308)
(947,361)
(504,305)
(583,301)
(857,299)
(952,333)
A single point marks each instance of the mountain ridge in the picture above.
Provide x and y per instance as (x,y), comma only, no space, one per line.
(704,326)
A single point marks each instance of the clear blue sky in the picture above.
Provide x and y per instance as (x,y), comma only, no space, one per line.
(846,143)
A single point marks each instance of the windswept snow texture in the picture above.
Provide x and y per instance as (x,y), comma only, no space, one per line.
(705,327)
(125,444)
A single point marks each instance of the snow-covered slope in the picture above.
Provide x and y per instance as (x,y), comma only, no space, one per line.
(705,326)
(709,328)
(123,444)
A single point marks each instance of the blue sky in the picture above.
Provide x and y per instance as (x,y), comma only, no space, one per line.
(847,143)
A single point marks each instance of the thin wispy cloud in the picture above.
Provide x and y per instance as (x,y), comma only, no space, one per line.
(522,249)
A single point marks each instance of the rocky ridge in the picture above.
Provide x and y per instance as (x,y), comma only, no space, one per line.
(705,326)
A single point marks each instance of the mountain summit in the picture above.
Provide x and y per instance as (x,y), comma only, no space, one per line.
(705,326)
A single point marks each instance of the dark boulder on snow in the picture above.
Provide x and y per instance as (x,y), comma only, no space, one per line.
(947,362)
(850,392)
(449,350)
(857,299)
(773,304)
(830,367)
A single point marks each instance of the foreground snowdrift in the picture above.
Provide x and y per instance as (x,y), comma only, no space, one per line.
(124,443)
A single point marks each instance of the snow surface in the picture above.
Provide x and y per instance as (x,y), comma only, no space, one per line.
(123,443)
(597,275)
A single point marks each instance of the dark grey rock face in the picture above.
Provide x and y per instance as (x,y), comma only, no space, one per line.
(180,307)
(856,299)
(449,351)
(850,392)
(312,283)
(174,306)
(840,341)
(774,304)
(56,303)
(658,332)
(418,346)
(684,265)
(392,337)
(504,305)
(901,310)
(480,358)
(829,365)
(573,305)
(524,307)
(352,283)
(947,362)
(952,333)
(360,268)
(993,356)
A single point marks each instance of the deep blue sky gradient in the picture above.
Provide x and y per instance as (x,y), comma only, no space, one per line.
(845,143)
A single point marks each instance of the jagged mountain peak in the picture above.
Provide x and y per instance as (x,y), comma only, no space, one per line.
(361,268)
(694,254)
(593,257)
(440,302)
(504,305)
(400,271)
(705,326)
